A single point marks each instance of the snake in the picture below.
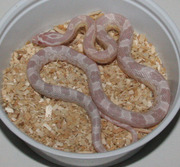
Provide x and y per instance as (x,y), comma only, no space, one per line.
(98,104)
(64,53)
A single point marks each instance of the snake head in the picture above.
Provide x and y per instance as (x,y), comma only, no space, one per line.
(47,39)
(37,39)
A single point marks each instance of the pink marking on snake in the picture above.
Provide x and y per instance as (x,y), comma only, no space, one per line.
(71,26)
(155,76)
(31,64)
(164,92)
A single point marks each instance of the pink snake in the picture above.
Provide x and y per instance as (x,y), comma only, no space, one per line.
(98,104)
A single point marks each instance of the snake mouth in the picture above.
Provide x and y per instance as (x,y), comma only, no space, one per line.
(35,40)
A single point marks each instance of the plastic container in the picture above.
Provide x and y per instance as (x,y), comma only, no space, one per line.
(29,17)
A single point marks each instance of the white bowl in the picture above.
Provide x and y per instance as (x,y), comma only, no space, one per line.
(29,17)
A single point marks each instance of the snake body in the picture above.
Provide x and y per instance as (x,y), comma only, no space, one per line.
(69,55)
(98,104)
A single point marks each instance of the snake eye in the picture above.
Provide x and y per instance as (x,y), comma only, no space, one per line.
(39,42)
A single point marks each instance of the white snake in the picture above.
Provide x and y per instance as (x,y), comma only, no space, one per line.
(98,104)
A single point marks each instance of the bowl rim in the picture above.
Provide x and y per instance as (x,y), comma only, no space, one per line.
(152,7)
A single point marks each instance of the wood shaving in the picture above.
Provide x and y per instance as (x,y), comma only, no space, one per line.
(66,126)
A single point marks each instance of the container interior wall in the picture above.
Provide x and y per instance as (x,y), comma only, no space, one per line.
(93,162)
(44,14)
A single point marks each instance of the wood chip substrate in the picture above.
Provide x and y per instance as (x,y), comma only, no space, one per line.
(66,126)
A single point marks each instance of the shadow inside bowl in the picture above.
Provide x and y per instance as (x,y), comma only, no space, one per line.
(145,151)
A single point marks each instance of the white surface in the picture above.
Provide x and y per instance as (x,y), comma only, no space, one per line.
(163,151)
